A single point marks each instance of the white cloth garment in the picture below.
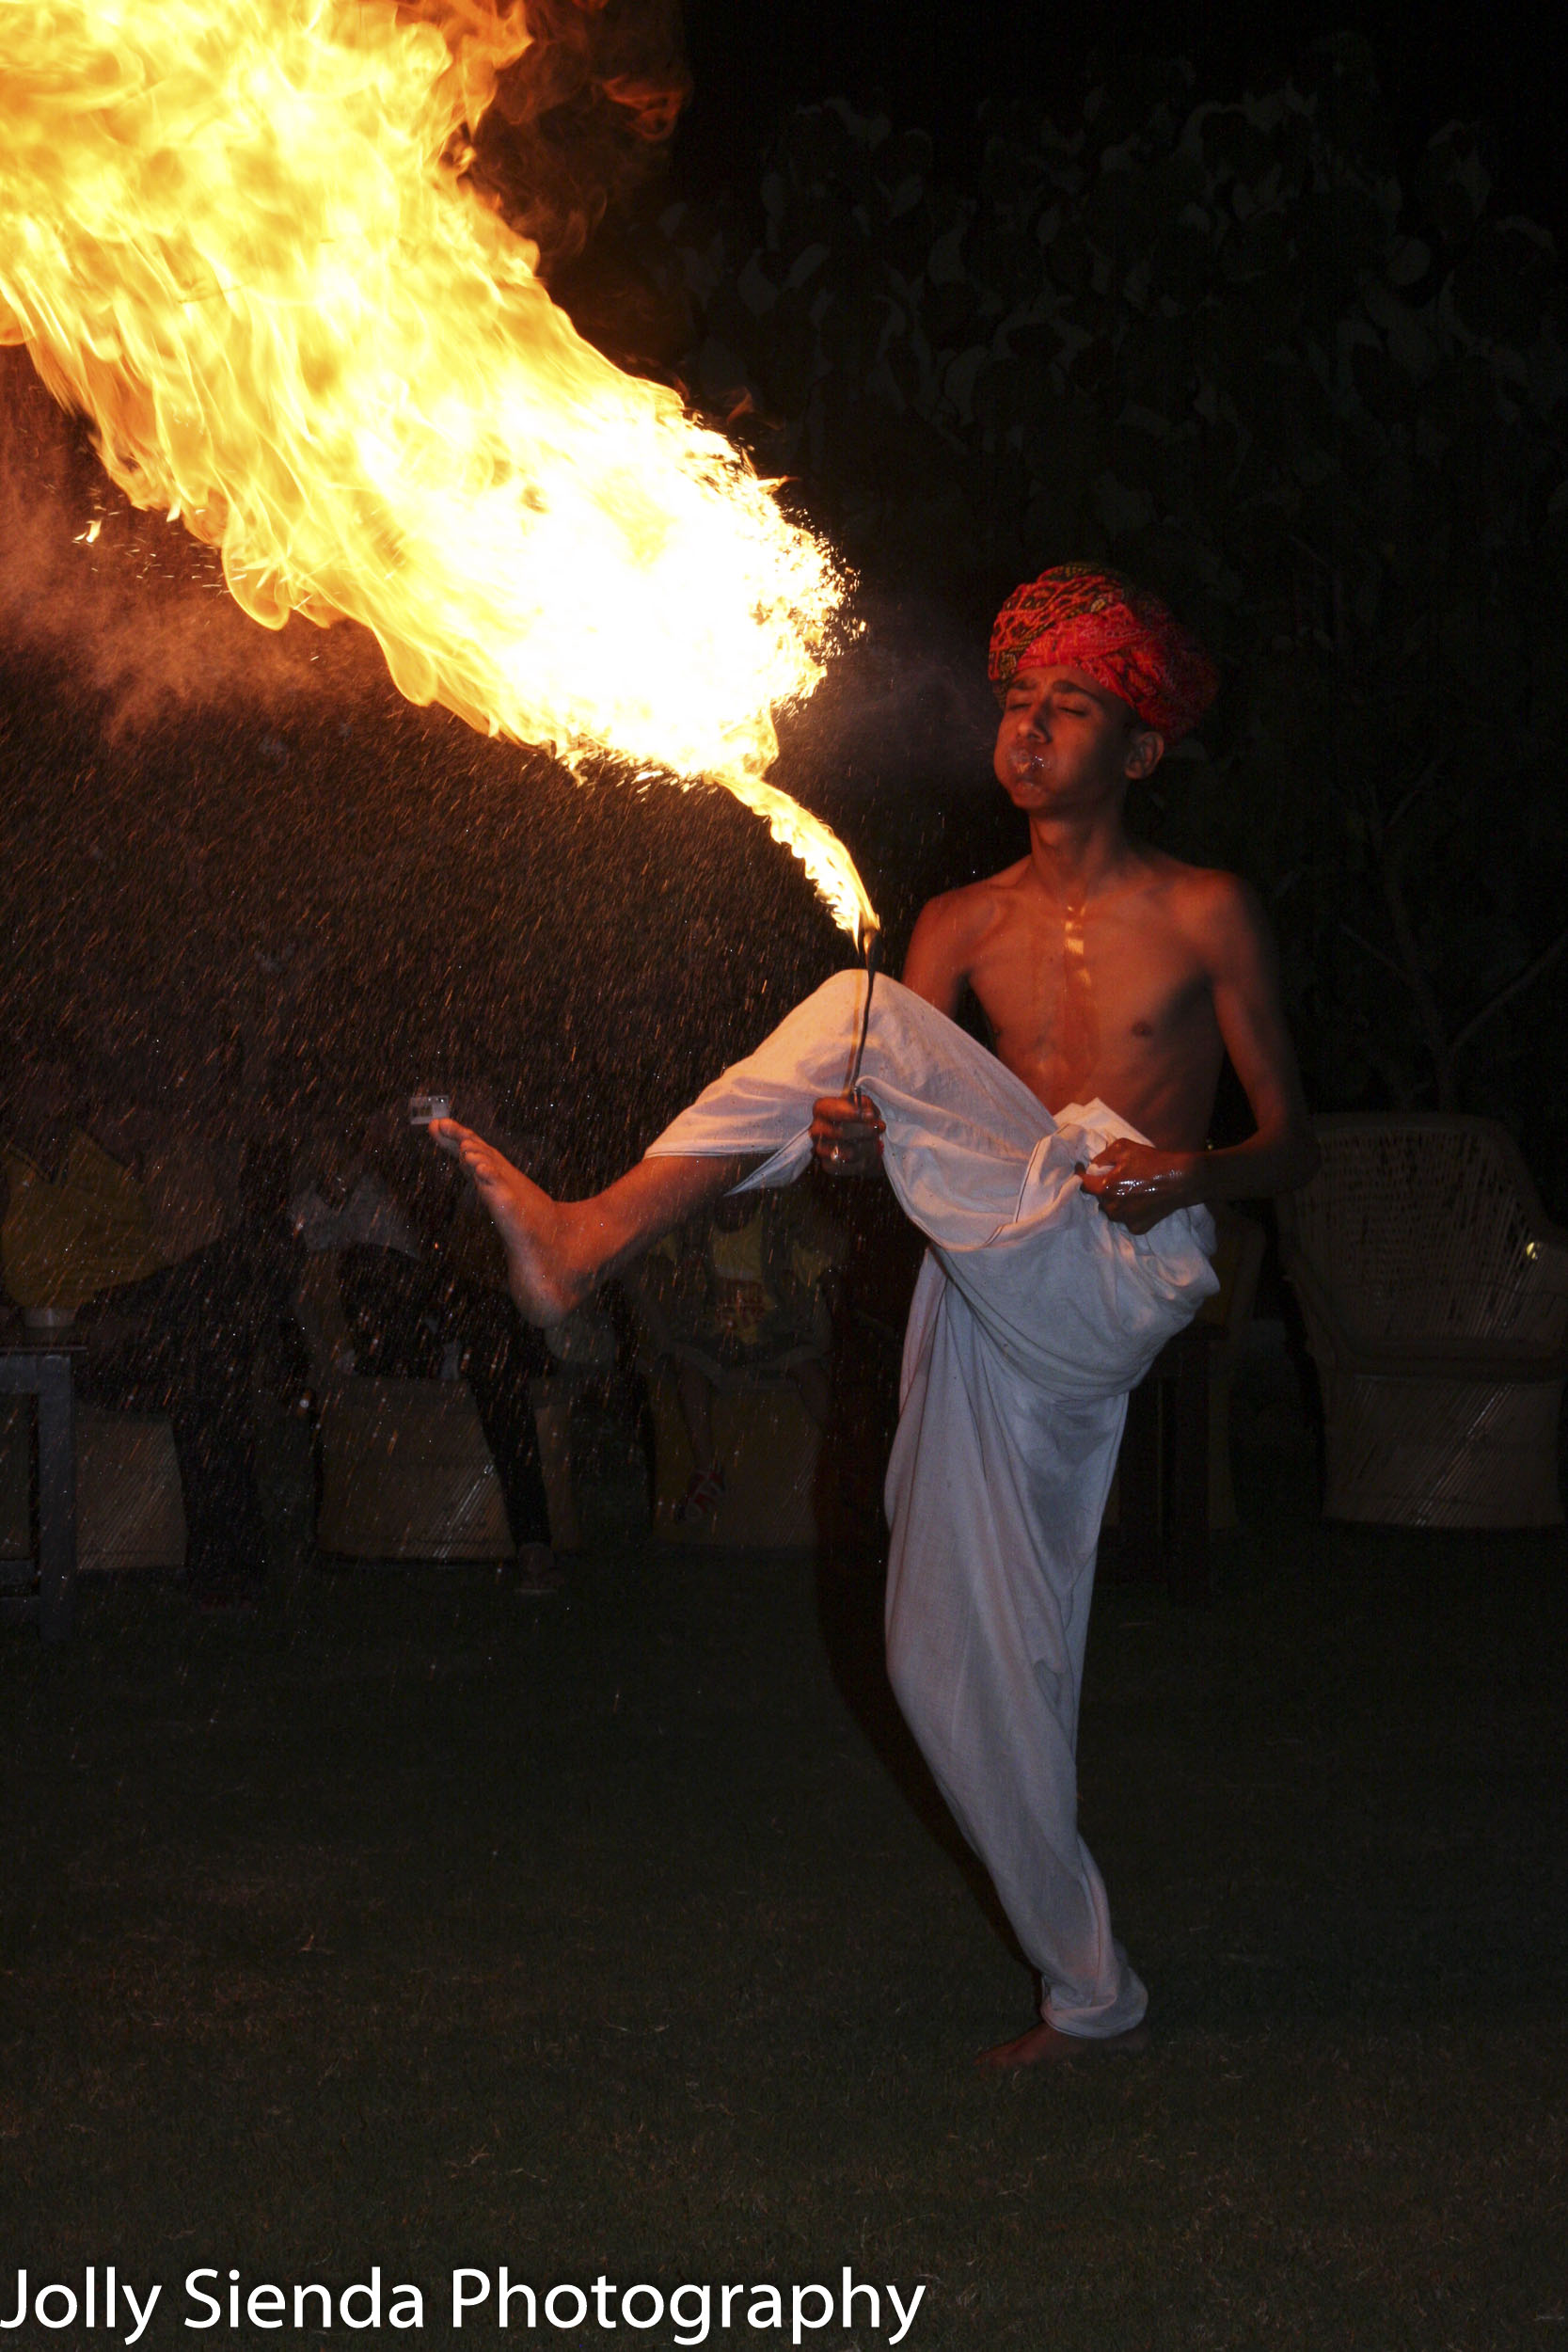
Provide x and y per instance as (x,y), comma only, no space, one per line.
(1032,1317)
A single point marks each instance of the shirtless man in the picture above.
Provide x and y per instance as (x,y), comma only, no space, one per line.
(1110,975)
(1106,968)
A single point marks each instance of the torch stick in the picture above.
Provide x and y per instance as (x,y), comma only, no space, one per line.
(871,948)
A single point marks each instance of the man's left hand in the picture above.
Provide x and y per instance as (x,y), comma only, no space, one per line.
(1135,1186)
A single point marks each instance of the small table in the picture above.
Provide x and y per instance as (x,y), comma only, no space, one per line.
(44,1368)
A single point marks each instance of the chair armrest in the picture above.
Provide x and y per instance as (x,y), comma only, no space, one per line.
(1550,1254)
(1415,1356)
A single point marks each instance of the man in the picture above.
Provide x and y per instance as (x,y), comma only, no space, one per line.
(1066,1245)
(170,1259)
(422,1293)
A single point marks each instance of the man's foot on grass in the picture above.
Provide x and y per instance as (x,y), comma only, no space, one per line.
(1043,2045)
(534,1228)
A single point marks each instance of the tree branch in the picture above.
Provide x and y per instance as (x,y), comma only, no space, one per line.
(1511,989)
(1380,955)
(1428,1011)
(1409,797)
(1308,549)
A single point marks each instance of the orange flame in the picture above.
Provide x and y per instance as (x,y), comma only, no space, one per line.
(236,236)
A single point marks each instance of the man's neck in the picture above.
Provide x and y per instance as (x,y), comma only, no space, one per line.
(1077,858)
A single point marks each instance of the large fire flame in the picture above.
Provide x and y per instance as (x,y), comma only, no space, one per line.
(236,235)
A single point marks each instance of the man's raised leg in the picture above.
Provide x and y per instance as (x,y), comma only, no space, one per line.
(558,1251)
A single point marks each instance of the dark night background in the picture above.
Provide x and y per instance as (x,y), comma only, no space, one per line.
(940,65)
(415,1922)
(1329,424)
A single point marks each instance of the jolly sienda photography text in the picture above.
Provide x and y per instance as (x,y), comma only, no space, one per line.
(132,2311)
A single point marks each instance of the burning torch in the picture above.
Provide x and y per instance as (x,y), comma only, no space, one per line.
(871,951)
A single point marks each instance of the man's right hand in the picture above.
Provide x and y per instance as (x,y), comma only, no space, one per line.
(847,1131)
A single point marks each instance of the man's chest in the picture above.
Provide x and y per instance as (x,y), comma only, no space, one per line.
(1084,985)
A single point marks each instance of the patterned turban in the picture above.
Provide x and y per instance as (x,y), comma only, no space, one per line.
(1078,616)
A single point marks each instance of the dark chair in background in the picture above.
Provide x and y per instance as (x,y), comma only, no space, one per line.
(1435,1294)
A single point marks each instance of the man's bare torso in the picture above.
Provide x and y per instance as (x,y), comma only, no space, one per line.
(1113,997)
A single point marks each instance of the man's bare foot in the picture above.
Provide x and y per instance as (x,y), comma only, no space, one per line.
(1042,2045)
(536,1232)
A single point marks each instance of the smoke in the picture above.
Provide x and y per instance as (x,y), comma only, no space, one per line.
(128,604)
(581,118)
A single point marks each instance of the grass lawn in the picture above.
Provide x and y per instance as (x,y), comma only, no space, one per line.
(412,1924)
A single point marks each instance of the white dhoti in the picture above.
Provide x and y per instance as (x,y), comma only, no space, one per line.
(1032,1317)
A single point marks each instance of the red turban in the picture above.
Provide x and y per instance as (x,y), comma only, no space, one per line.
(1077,616)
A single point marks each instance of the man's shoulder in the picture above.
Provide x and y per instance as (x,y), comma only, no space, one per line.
(1217,914)
(1201,894)
(952,933)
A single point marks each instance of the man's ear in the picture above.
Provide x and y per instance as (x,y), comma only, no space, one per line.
(1144,753)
